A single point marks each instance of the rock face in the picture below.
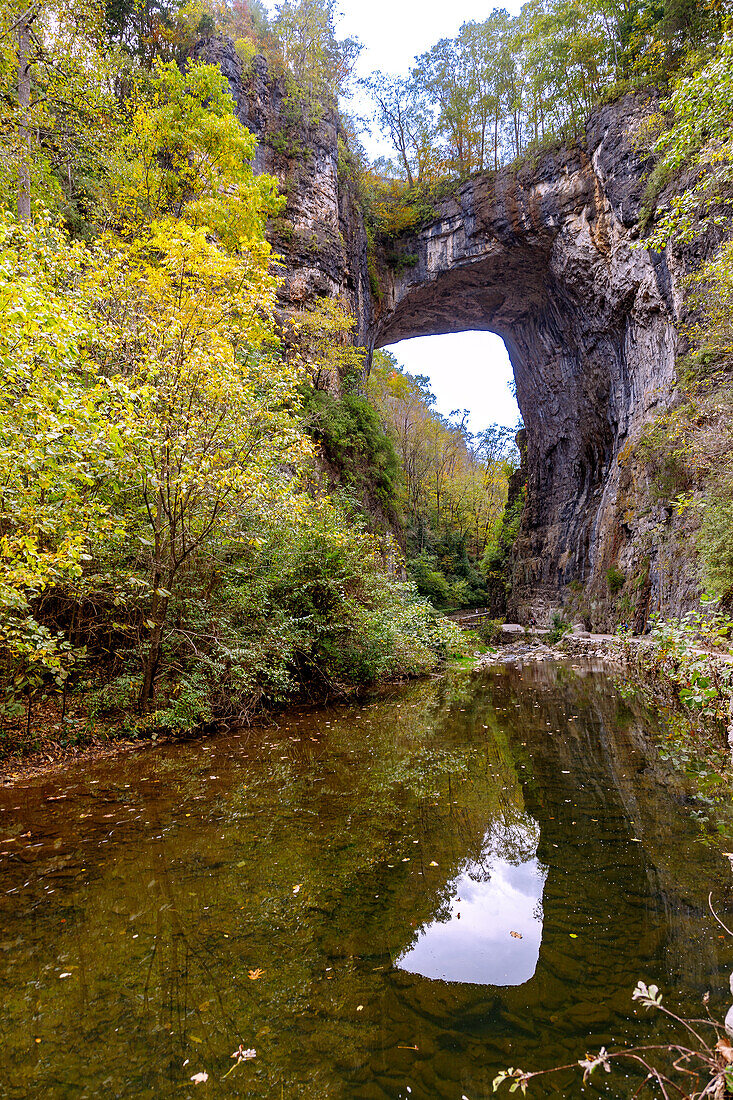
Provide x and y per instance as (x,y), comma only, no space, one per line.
(542,255)
(320,233)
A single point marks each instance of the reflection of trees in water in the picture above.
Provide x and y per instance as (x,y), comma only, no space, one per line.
(512,840)
(215,898)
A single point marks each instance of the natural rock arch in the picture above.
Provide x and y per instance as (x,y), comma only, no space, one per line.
(544,257)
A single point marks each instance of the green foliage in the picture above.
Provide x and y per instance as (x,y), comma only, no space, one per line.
(679,648)
(559,626)
(699,140)
(496,556)
(512,87)
(489,631)
(452,488)
(161,526)
(71,128)
(306,46)
(715,539)
(355,442)
(185,154)
(615,579)
(665,450)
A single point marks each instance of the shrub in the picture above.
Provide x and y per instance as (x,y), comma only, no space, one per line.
(489,631)
(615,579)
(558,627)
(355,441)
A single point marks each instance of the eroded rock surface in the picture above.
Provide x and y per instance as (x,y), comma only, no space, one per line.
(544,256)
(320,233)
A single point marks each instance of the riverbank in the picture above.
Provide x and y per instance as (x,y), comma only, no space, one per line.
(59,741)
(665,678)
(698,680)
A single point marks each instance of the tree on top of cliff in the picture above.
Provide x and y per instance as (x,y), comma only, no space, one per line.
(319,62)
(504,87)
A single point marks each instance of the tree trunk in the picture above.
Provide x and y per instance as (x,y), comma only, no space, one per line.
(158,614)
(24,103)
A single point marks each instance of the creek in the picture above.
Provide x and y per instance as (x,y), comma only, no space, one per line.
(390,900)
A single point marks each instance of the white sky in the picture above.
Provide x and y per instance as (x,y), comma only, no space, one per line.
(468,370)
(394,32)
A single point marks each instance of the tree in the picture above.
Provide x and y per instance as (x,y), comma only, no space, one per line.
(24,106)
(209,407)
(62,118)
(402,117)
(319,63)
(58,446)
(185,154)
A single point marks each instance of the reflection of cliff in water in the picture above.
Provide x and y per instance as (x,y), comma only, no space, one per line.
(624,895)
(161,881)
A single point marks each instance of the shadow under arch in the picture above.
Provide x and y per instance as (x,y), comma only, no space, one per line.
(542,256)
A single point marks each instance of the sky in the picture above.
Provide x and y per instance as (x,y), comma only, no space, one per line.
(468,370)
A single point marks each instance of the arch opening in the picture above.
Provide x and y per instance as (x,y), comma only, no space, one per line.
(468,372)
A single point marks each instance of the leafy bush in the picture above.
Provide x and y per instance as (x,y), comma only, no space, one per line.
(615,579)
(429,580)
(715,540)
(679,650)
(558,627)
(489,631)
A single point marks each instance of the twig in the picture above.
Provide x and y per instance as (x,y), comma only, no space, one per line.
(723,926)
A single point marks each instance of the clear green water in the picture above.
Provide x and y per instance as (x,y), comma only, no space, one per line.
(372,862)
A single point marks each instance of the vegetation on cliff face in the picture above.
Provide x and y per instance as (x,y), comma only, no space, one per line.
(508,87)
(683,461)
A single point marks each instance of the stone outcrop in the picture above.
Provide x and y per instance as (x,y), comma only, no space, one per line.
(544,256)
(320,233)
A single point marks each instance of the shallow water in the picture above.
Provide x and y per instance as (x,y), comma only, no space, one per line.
(392,900)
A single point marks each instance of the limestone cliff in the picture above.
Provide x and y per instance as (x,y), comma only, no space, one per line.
(544,255)
(320,234)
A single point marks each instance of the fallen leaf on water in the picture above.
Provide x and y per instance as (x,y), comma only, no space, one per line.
(200,1078)
(725,1049)
(517,935)
(240,1055)
(255,974)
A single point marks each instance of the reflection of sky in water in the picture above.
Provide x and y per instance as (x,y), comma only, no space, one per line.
(494,899)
